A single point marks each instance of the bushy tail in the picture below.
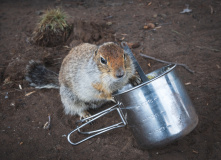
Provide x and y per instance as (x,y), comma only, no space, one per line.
(40,77)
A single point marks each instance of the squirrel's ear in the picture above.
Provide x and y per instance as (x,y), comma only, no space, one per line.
(95,52)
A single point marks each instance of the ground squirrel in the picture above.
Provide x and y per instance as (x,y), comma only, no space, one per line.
(88,76)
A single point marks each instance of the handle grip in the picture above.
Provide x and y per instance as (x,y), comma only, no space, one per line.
(138,68)
(99,131)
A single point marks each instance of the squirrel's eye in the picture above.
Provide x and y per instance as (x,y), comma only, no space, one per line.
(104,61)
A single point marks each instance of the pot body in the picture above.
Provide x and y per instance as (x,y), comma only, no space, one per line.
(158,111)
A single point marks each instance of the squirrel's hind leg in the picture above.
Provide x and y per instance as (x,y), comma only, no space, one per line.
(72,105)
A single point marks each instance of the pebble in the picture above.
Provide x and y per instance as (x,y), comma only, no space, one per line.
(163,15)
(109,23)
(12,104)
(155,16)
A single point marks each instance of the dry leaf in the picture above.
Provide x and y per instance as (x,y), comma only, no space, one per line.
(149,26)
(145,27)
(7,80)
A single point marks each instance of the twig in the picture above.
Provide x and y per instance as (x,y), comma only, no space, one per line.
(212,49)
(211,9)
(177,32)
(162,61)
(47,125)
(28,94)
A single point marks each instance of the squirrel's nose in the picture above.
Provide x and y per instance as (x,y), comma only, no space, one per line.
(120,73)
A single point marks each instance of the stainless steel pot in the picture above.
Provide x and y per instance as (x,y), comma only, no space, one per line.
(157,111)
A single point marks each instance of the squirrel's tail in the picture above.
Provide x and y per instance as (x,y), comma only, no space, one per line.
(40,77)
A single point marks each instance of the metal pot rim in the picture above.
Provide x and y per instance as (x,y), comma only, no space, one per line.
(145,83)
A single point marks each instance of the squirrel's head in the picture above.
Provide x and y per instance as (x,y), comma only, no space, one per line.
(112,60)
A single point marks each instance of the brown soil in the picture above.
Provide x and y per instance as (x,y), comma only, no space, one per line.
(191,38)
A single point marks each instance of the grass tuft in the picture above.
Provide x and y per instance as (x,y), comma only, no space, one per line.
(54,19)
(52,29)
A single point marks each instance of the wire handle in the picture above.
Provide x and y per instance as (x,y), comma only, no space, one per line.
(99,131)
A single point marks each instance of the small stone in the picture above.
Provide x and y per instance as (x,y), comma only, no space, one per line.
(163,15)
(12,104)
(155,16)
(109,23)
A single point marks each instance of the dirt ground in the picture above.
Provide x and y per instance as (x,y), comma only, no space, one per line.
(192,38)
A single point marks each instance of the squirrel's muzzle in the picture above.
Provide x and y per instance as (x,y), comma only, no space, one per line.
(120,73)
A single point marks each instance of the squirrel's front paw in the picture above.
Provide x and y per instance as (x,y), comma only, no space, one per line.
(135,80)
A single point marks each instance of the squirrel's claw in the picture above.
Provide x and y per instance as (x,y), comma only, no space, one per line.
(85,114)
(113,100)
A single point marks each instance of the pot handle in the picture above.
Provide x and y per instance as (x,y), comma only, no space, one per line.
(138,68)
(99,131)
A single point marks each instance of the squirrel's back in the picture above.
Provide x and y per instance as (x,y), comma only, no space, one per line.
(76,63)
